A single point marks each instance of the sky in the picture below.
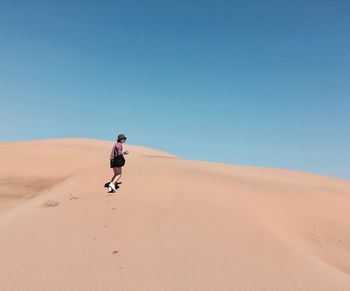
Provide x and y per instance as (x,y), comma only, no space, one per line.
(263,83)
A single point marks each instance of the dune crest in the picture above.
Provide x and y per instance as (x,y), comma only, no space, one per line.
(173,224)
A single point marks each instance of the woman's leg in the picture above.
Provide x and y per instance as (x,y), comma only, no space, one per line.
(115,174)
(119,173)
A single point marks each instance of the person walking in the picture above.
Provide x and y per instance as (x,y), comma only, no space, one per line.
(117,161)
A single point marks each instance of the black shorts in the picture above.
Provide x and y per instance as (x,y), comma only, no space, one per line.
(112,164)
(117,163)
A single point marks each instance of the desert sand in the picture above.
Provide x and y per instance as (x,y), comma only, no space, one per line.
(173,225)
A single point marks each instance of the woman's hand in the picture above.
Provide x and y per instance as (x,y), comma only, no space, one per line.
(125,152)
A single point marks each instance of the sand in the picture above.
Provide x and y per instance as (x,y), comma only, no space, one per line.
(174,224)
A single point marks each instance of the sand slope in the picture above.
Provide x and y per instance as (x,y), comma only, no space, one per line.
(173,225)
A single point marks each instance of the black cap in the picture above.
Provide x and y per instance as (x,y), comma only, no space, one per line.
(121,136)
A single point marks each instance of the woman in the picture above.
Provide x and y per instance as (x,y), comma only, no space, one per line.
(117,161)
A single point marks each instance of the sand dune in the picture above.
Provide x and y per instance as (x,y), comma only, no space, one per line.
(173,224)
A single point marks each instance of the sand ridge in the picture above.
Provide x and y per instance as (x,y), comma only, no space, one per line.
(174,224)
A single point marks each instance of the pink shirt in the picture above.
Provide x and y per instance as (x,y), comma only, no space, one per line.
(117,148)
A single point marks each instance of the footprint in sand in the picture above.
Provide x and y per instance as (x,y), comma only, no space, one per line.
(51,203)
(72,197)
(115,252)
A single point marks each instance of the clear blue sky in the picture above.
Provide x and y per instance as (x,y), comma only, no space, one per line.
(262,83)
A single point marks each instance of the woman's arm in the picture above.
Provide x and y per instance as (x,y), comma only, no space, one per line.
(124,150)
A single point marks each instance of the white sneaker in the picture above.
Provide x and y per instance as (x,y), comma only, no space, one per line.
(112,185)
